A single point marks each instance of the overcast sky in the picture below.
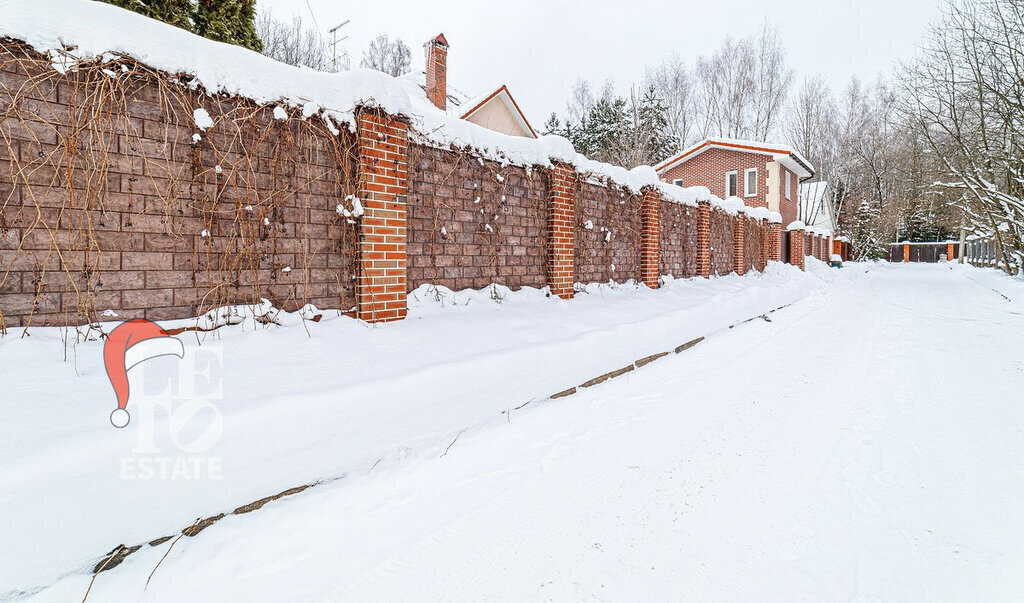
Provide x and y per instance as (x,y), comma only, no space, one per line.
(540,47)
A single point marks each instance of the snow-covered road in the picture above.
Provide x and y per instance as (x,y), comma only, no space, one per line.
(864,444)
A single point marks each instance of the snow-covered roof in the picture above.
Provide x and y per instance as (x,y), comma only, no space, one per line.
(456,98)
(815,208)
(784,154)
(503,96)
(73,31)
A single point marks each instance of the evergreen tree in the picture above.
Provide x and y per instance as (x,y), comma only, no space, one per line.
(868,240)
(653,138)
(606,129)
(231,21)
(178,13)
(918,224)
(553,126)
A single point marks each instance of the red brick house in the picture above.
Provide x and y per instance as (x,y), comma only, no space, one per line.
(762,174)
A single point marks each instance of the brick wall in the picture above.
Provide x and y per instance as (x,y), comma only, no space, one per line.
(610,250)
(797,246)
(678,245)
(383,189)
(145,221)
(722,225)
(127,205)
(650,252)
(561,230)
(788,208)
(453,198)
(775,242)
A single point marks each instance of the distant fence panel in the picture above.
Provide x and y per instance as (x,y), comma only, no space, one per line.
(928,253)
(982,252)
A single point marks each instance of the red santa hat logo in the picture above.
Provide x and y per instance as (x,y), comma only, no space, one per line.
(129,344)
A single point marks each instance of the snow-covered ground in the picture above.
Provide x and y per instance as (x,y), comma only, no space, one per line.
(863,443)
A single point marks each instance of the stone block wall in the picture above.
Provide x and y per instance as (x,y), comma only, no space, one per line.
(722,225)
(474,223)
(113,199)
(755,241)
(608,233)
(127,193)
(678,246)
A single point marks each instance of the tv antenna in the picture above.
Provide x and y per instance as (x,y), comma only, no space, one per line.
(335,41)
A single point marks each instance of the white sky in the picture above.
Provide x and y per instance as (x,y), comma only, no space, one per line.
(539,48)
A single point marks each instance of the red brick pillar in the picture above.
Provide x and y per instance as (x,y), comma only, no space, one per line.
(738,235)
(704,239)
(796,248)
(382,187)
(774,247)
(949,251)
(561,230)
(650,219)
(906,253)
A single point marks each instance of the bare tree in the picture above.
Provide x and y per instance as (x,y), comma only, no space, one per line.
(743,87)
(390,56)
(674,84)
(965,94)
(581,99)
(812,126)
(772,82)
(292,42)
(727,85)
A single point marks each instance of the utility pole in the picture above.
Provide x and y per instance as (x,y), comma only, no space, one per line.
(334,42)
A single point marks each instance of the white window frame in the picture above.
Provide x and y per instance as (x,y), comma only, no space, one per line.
(727,175)
(746,183)
(789,183)
(678,182)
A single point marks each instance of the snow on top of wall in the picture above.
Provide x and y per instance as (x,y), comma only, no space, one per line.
(796,225)
(759,213)
(690,195)
(69,31)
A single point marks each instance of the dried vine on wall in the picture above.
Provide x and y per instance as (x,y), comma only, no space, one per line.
(108,178)
(602,234)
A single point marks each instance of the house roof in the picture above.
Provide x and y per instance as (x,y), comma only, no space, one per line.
(815,210)
(456,98)
(784,154)
(503,96)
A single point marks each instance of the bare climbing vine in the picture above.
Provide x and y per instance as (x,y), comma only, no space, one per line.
(106,155)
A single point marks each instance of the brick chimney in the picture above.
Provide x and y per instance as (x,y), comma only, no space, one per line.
(437,71)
